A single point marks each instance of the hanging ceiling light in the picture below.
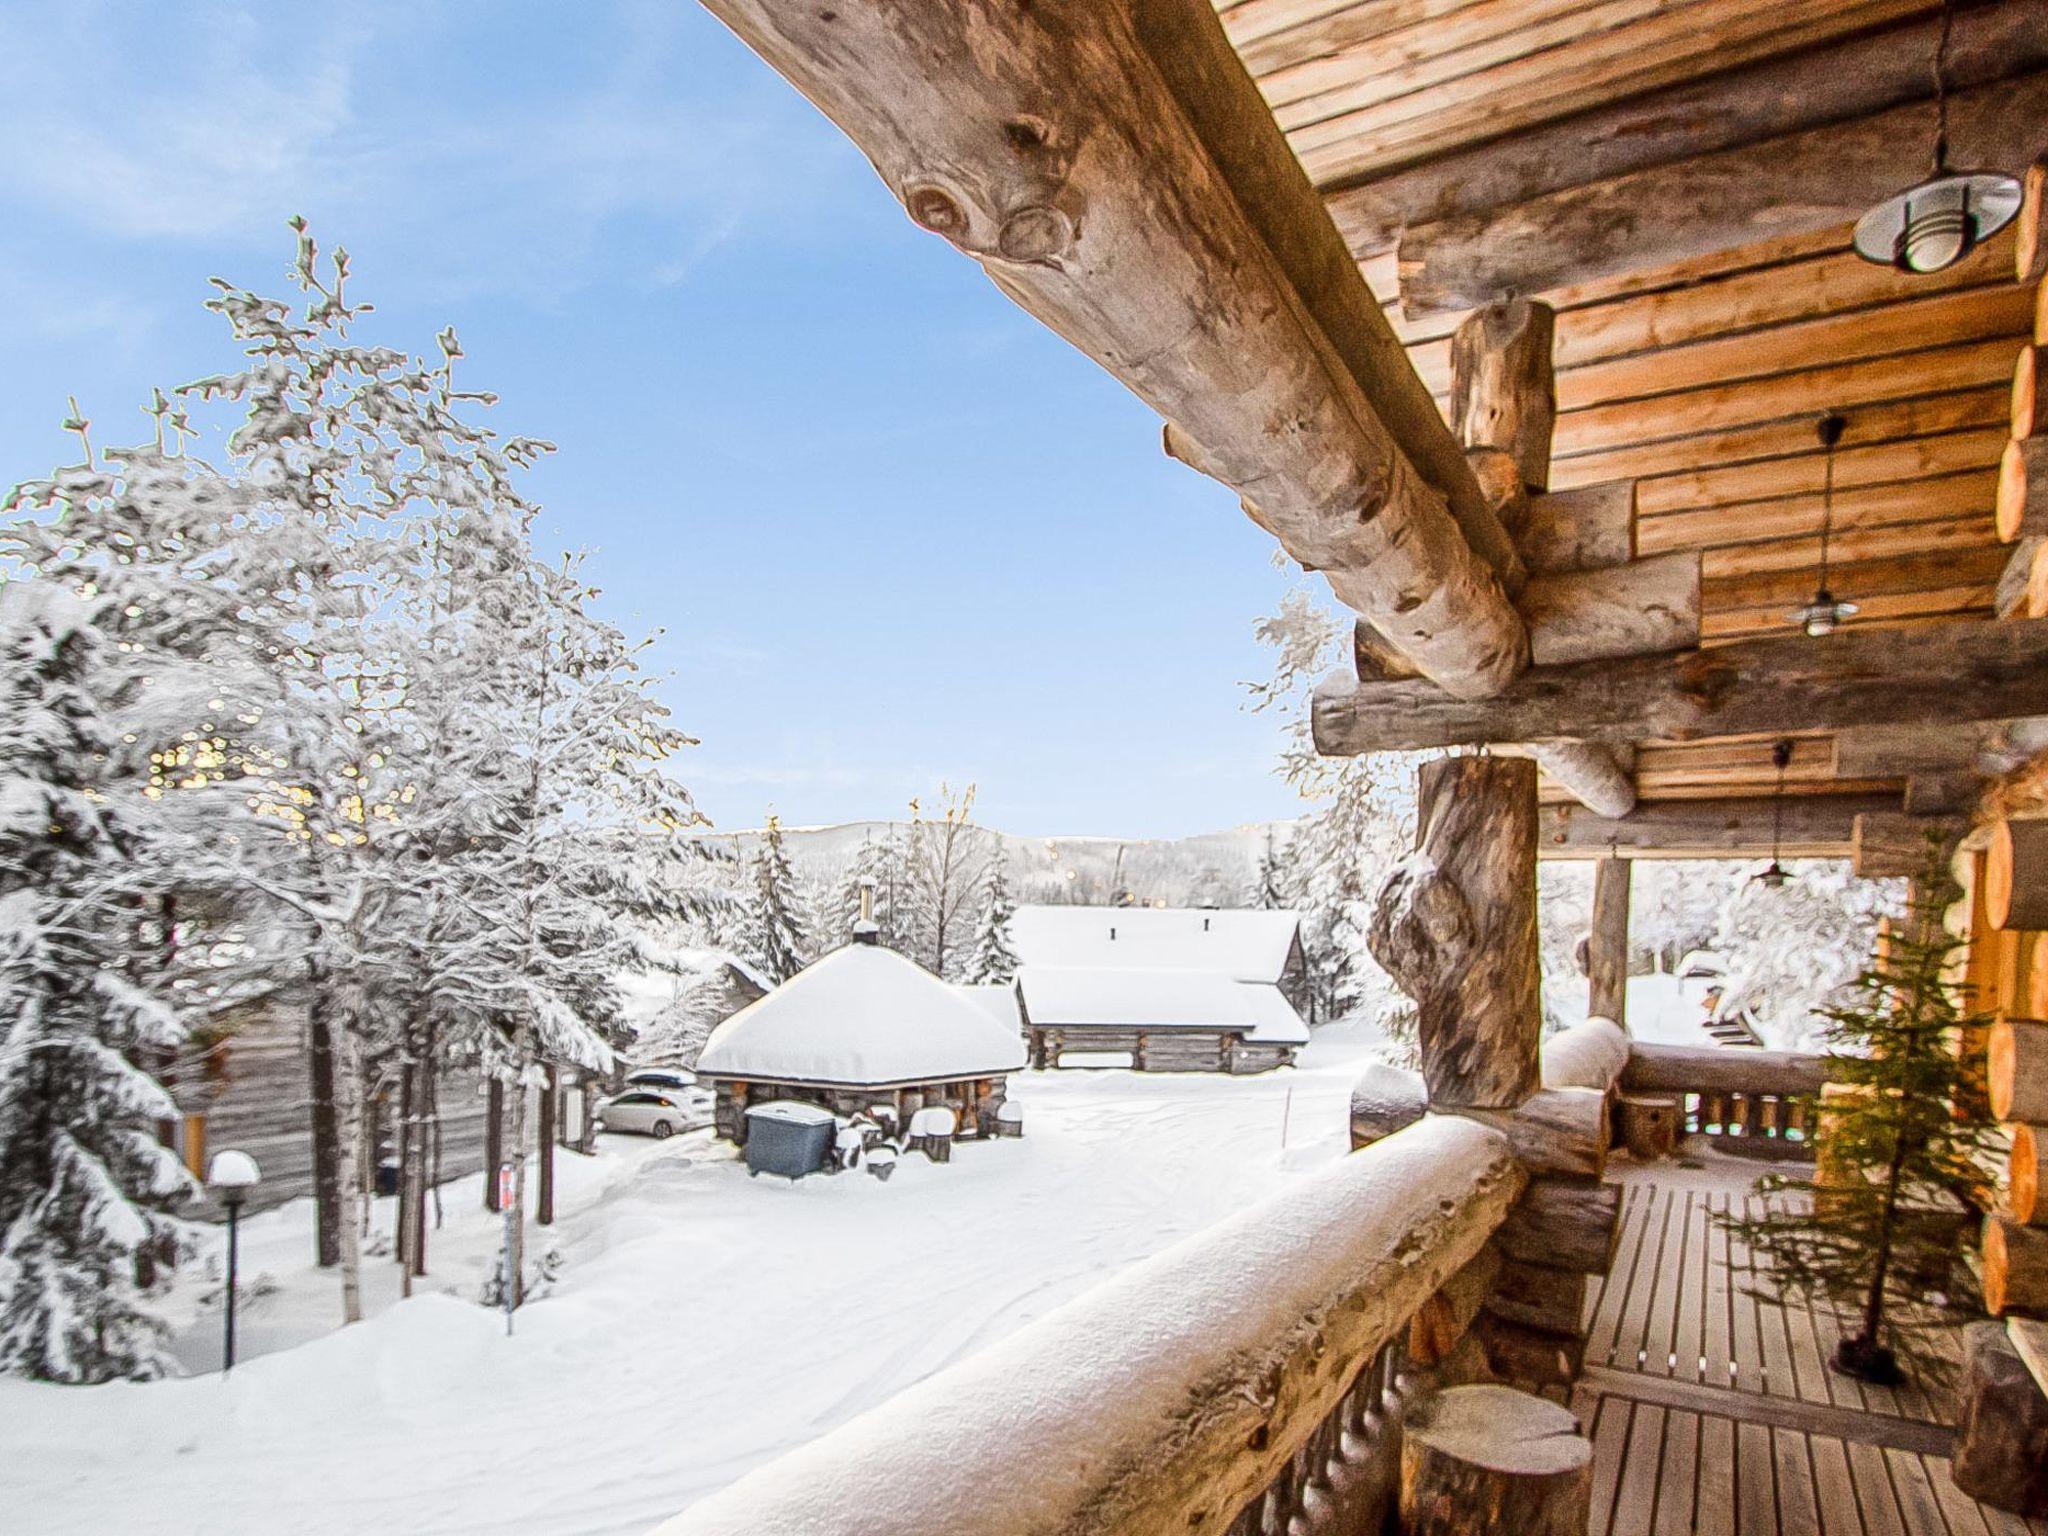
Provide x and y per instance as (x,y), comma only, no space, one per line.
(1773,875)
(1824,612)
(1938,222)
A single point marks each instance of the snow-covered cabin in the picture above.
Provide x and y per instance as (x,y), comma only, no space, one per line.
(1162,989)
(865,1026)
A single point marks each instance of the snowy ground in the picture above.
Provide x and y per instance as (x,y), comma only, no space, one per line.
(703,1322)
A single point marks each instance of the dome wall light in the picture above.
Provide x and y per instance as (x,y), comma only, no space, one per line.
(1823,613)
(1935,223)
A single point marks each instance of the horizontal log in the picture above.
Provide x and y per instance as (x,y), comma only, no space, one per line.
(1722,1069)
(1555,1130)
(1564,1224)
(2001,1454)
(1898,847)
(1961,670)
(1847,78)
(1116,174)
(1441,1321)
(2010,599)
(1812,826)
(1579,530)
(1535,1357)
(1594,775)
(1550,1299)
(1810,180)
(1589,1054)
(1638,608)
(1385,1099)
(1171,1394)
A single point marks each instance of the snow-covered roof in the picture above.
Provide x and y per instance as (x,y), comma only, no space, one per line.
(998,1001)
(1248,945)
(862,1016)
(1113,998)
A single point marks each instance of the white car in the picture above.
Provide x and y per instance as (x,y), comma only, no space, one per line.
(660,1078)
(649,1112)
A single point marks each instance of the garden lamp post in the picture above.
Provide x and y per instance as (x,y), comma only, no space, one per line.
(231,1177)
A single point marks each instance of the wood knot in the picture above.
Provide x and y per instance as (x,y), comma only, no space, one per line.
(1035,233)
(936,209)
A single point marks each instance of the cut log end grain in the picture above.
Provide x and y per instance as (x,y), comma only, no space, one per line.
(2028,403)
(2021,503)
(2026,1175)
(2030,244)
(2016,874)
(2015,1267)
(1490,1458)
(2016,1070)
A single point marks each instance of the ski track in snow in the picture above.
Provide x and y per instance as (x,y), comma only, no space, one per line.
(704,1322)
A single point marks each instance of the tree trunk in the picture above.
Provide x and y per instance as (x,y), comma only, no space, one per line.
(494,1140)
(2015,1267)
(402,1226)
(515,1236)
(1607,946)
(349,1179)
(550,1092)
(327,1175)
(2016,874)
(1485,1459)
(1455,925)
(2016,1070)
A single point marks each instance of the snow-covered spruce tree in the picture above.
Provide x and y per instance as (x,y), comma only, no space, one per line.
(86,1192)
(773,935)
(1361,822)
(1278,882)
(1883,1231)
(991,959)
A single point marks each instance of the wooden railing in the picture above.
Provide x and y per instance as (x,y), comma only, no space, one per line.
(1760,1103)
(1245,1381)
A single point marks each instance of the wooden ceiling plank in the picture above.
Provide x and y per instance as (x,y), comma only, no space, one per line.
(1892,612)
(1802,475)
(1956,498)
(1856,76)
(1809,180)
(1521,95)
(1266,33)
(1969,671)
(1850,552)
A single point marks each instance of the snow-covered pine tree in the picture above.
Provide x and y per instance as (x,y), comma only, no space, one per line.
(1277,882)
(990,959)
(86,1192)
(1885,1232)
(775,941)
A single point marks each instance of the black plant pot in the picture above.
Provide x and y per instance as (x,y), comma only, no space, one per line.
(1869,1361)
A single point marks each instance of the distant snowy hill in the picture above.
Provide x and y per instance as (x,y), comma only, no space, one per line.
(1211,868)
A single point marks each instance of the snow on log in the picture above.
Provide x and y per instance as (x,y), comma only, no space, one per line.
(1584,529)
(2016,1070)
(2027,1175)
(1564,1224)
(1636,609)
(1161,1401)
(2001,1454)
(2015,1267)
(1589,1054)
(1116,173)
(1592,773)
(1455,925)
(1385,1099)
(2016,874)
(1485,1459)
(1716,1069)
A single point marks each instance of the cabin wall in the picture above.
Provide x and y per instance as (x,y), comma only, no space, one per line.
(1159,1050)
(973,1100)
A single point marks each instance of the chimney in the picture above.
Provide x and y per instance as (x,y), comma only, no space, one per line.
(1112,935)
(1205,925)
(865,931)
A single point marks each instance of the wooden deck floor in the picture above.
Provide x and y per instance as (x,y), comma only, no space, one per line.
(1713,1411)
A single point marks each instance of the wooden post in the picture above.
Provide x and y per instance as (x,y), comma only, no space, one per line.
(1504,385)
(1487,1458)
(1455,925)
(1607,947)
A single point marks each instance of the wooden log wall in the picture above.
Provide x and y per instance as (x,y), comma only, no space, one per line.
(2007,971)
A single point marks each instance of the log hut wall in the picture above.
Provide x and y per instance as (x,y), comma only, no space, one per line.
(974,1101)
(1161,1050)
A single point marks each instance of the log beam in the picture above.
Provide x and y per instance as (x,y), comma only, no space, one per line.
(1607,943)
(1898,847)
(1815,827)
(1579,530)
(1455,926)
(1716,1069)
(1115,172)
(1637,609)
(1965,670)
(1846,78)
(1790,184)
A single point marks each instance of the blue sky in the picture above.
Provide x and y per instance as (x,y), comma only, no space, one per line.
(894,531)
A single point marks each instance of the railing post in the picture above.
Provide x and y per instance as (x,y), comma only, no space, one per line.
(1607,942)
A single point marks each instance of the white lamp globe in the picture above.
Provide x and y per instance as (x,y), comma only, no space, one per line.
(233,1171)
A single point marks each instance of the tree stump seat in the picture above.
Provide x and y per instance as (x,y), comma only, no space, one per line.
(2001,1455)
(1649,1124)
(1493,1459)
